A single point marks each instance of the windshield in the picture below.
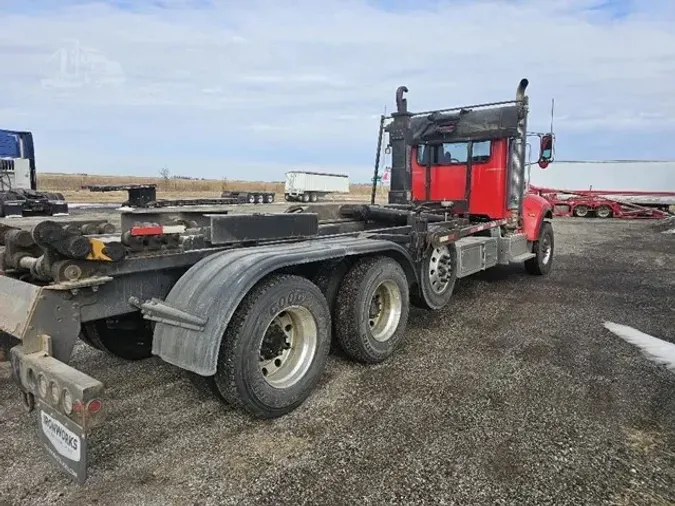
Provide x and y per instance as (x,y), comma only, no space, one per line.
(9,145)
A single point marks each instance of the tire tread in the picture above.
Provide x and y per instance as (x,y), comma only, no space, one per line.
(226,375)
(347,331)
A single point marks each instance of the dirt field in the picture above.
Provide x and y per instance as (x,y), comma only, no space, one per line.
(514,394)
(71,187)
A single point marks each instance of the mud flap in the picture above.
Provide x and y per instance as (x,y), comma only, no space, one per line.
(64,441)
(58,208)
(12,208)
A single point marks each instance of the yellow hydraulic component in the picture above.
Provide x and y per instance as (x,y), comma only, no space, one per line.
(96,254)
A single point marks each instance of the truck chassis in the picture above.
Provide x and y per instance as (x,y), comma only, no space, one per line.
(16,203)
(176,287)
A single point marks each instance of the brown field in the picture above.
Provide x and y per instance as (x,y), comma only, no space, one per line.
(71,187)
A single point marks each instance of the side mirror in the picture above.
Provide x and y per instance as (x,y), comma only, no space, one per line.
(545,150)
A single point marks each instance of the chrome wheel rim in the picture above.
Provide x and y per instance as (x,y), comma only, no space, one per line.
(288,347)
(546,249)
(440,269)
(385,309)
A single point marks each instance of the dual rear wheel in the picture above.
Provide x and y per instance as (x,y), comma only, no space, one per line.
(277,343)
(276,346)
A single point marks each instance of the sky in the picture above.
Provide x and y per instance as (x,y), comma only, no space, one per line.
(248,90)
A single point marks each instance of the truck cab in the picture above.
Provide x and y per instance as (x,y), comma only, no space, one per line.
(468,160)
(470,174)
(18,179)
(17,161)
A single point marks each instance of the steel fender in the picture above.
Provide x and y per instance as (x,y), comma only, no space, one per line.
(214,287)
(535,210)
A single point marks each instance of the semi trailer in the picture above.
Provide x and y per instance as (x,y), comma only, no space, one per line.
(249,197)
(253,302)
(144,195)
(311,186)
(620,204)
(18,180)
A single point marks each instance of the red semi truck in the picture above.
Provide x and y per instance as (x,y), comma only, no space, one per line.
(253,301)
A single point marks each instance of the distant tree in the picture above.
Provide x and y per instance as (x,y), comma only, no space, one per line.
(164,172)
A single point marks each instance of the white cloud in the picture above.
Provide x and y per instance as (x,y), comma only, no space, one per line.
(308,80)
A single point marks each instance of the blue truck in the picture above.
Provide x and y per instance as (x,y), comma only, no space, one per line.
(18,180)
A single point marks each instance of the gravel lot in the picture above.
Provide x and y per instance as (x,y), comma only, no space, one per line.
(513,394)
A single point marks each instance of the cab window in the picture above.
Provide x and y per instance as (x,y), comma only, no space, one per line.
(481,151)
(450,153)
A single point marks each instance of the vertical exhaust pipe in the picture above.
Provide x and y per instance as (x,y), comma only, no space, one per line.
(401,103)
(400,183)
(520,92)
(517,158)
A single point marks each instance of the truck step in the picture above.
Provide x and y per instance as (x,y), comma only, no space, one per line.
(523,257)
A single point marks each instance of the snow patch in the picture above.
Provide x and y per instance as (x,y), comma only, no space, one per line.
(655,349)
(91,205)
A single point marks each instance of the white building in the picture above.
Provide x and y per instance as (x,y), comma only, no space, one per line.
(606,175)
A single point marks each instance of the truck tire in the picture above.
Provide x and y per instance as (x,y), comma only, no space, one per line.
(251,199)
(305,197)
(128,336)
(438,277)
(85,336)
(269,199)
(371,310)
(275,348)
(328,279)
(580,211)
(313,197)
(543,249)
(259,199)
(603,212)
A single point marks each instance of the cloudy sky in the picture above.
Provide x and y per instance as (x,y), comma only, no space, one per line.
(249,89)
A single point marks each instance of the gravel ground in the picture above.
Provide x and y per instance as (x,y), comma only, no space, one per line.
(513,394)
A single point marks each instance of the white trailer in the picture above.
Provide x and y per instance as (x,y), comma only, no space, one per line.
(309,186)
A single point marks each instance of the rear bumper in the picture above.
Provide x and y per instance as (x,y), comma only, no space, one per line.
(69,405)
(46,323)
(11,209)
